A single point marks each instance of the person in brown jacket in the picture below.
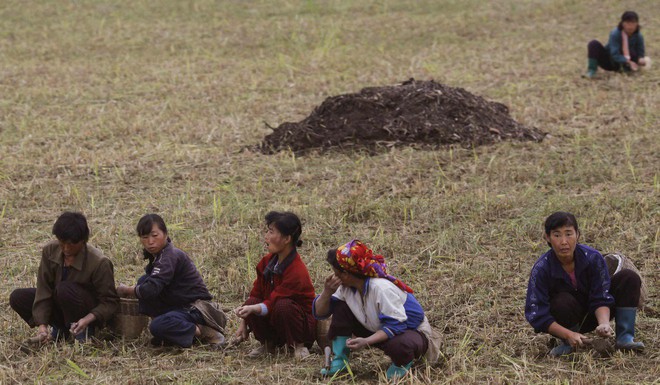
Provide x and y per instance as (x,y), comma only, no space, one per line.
(75,285)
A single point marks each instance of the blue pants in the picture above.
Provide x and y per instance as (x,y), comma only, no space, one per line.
(176,327)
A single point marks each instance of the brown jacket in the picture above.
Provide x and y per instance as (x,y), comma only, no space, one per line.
(91,269)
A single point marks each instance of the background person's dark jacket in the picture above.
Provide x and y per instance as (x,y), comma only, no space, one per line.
(171,282)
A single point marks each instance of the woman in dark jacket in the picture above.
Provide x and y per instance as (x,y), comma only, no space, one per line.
(624,50)
(570,291)
(173,292)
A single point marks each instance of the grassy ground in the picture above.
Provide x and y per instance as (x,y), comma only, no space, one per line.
(117,109)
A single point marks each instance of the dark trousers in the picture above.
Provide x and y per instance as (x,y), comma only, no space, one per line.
(401,348)
(285,324)
(596,50)
(176,327)
(70,303)
(625,288)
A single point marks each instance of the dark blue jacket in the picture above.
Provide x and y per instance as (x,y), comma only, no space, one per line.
(548,279)
(615,46)
(171,282)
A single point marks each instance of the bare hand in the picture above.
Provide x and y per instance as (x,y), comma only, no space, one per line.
(246,310)
(332,283)
(242,333)
(575,339)
(42,335)
(633,66)
(125,291)
(80,326)
(605,330)
(356,343)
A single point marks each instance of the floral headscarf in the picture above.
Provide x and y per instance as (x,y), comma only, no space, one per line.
(356,257)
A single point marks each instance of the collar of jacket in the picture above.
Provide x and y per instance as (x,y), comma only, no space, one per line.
(58,257)
(274,268)
(579,257)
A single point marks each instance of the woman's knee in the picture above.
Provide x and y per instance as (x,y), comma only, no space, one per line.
(158,325)
(283,308)
(628,278)
(594,44)
(65,291)
(566,309)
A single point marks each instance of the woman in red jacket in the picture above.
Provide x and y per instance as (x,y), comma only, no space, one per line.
(279,309)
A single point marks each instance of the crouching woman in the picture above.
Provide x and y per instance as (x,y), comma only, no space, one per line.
(570,291)
(173,292)
(279,309)
(374,307)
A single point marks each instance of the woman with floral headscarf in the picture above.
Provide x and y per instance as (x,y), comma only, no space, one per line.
(375,307)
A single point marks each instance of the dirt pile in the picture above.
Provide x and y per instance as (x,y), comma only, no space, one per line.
(418,113)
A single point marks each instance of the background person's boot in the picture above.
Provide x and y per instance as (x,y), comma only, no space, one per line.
(592,67)
(625,329)
(340,359)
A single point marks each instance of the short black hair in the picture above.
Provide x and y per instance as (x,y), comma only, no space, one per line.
(287,223)
(629,16)
(560,219)
(71,227)
(146,223)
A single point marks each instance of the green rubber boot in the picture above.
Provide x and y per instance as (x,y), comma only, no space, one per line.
(592,67)
(340,359)
(625,329)
(397,371)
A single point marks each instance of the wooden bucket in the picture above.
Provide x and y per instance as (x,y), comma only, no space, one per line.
(129,323)
(322,327)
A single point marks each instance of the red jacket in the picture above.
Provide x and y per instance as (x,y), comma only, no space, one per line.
(294,283)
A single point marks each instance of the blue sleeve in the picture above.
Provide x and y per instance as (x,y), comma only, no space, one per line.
(614,45)
(161,275)
(537,305)
(333,301)
(391,326)
(599,292)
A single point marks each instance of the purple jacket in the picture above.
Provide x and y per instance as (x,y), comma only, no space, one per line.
(171,282)
(548,278)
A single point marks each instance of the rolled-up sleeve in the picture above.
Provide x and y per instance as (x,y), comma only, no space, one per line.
(537,305)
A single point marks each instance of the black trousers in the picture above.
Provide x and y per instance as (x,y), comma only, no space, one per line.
(401,348)
(596,50)
(625,288)
(71,302)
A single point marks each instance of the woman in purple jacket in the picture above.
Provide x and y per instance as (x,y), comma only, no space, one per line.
(570,291)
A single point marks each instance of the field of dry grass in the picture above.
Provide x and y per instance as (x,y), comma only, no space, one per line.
(117,109)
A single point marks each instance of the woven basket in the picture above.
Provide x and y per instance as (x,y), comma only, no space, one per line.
(129,323)
(322,327)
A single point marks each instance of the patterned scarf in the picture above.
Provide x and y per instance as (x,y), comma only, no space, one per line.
(356,257)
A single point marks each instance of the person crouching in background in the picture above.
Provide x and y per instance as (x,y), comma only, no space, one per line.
(173,292)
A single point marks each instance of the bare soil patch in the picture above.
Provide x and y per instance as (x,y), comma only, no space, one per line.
(419,113)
